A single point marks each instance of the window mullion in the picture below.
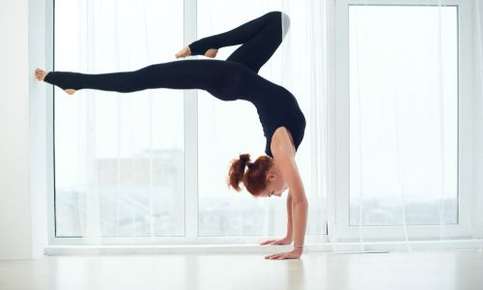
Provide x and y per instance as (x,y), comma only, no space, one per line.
(190,132)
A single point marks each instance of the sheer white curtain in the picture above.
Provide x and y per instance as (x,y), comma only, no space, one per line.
(120,157)
(303,69)
(298,65)
(415,118)
(403,116)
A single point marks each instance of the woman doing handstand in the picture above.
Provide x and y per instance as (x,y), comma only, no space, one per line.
(235,78)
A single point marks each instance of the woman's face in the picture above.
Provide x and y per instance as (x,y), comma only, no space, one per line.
(276,185)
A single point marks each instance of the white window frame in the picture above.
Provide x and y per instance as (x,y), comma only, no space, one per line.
(342,230)
(191,235)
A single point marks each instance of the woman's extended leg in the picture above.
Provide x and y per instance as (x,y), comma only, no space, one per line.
(260,38)
(185,74)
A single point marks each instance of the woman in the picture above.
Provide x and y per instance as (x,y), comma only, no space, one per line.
(233,79)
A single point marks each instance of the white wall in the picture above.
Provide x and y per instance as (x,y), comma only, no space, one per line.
(22,196)
(15,216)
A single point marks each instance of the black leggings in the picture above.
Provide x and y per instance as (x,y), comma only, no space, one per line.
(260,38)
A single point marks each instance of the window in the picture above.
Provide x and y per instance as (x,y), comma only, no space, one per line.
(228,128)
(152,163)
(119,158)
(400,71)
(403,113)
(225,129)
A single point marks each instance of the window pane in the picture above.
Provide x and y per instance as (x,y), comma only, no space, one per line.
(227,129)
(118,157)
(403,114)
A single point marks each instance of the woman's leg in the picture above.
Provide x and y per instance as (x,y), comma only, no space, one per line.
(255,52)
(185,74)
(260,38)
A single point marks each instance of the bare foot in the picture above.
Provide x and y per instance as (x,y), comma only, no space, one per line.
(211,52)
(187,52)
(183,52)
(40,76)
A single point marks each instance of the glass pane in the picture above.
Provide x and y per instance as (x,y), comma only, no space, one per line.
(227,129)
(403,114)
(119,158)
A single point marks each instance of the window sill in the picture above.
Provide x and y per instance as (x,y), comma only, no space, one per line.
(329,247)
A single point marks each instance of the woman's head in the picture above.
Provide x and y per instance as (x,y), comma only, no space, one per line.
(262,179)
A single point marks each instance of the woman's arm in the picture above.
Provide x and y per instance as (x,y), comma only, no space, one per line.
(299,218)
(299,204)
(284,152)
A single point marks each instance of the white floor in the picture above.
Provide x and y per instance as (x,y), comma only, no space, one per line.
(455,270)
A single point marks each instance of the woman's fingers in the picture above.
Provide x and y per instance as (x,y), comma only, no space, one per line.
(286,255)
(275,256)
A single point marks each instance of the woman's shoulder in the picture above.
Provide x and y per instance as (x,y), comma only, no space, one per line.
(284,152)
(282,142)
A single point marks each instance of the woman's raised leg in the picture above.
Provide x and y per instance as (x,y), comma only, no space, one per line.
(260,37)
(185,74)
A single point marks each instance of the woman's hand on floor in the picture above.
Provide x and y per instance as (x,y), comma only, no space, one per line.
(294,254)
